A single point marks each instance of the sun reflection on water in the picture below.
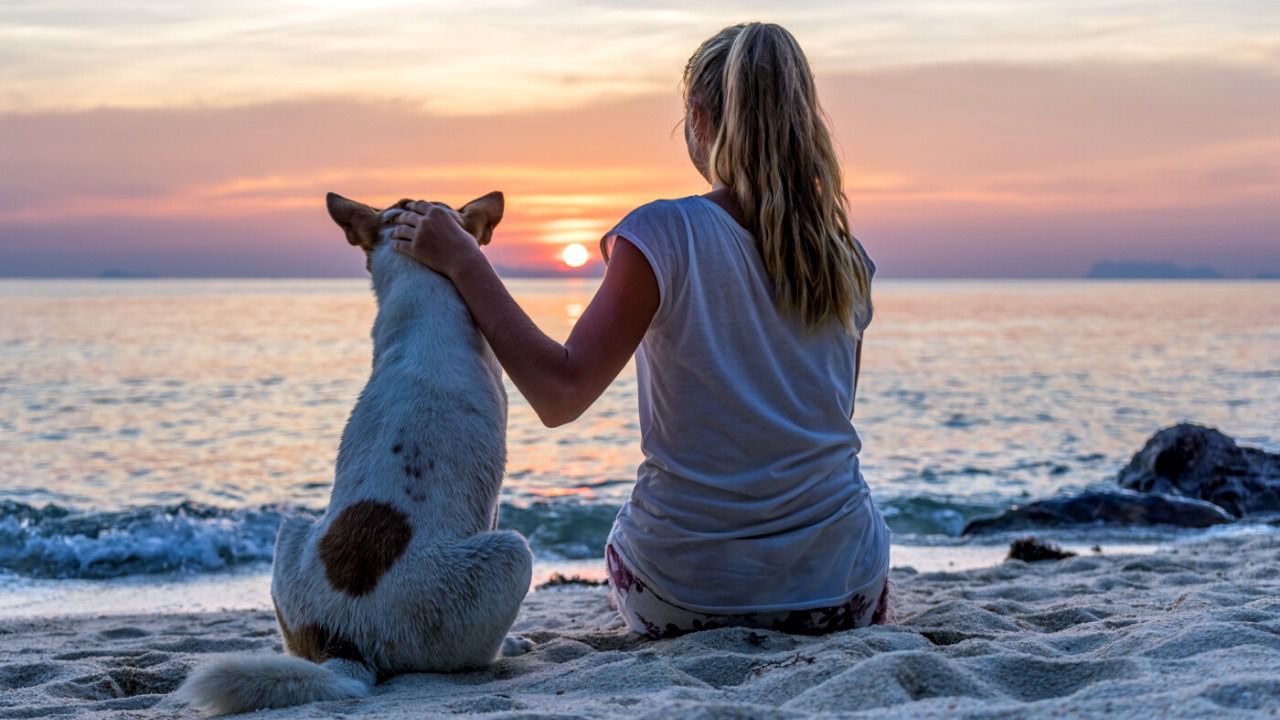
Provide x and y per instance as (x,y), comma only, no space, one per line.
(234,393)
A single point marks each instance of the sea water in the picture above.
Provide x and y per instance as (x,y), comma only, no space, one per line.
(153,433)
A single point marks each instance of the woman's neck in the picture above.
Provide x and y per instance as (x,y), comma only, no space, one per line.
(724,197)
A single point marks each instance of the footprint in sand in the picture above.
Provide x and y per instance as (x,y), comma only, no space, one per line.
(123,633)
(22,675)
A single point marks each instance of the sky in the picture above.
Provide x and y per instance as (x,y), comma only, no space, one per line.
(979,138)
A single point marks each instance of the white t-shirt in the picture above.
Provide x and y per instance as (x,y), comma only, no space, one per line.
(749,498)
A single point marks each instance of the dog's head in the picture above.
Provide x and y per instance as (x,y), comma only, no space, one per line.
(365,226)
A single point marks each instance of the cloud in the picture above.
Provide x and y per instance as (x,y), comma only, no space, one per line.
(519,55)
(958,165)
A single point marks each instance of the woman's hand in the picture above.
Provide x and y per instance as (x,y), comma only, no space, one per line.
(433,236)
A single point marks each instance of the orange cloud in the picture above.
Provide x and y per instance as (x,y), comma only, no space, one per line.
(966,167)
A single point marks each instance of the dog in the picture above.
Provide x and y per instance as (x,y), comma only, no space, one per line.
(405,571)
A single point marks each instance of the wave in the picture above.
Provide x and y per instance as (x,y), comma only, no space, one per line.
(56,542)
(930,515)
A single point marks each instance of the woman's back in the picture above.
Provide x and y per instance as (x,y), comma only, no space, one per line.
(749,507)
(749,497)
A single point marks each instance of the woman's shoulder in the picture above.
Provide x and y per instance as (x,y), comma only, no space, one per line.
(660,209)
(681,216)
(662,219)
(657,227)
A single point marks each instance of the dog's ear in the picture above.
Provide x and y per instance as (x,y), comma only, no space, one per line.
(351,216)
(481,215)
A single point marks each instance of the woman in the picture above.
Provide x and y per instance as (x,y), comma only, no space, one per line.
(745,309)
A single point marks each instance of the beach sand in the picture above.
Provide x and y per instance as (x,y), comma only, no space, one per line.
(1191,631)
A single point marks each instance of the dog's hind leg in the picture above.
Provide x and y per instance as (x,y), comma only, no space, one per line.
(512,645)
(500,568)
(289,578)
(477,585)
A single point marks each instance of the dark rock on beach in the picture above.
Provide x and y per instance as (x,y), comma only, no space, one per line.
(1123,507)
(1200,462)
(1031,549)
(1186,475)
(561,580)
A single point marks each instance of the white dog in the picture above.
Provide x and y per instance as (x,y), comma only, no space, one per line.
(405,572)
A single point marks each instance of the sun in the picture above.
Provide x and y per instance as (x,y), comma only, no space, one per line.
(575,255)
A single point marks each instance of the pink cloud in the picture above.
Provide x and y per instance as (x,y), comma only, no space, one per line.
(971,169)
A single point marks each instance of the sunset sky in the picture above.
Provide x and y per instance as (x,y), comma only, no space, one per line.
(980,138)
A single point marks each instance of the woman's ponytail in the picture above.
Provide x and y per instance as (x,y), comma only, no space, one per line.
(773,149)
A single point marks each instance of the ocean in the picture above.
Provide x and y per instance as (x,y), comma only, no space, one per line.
(153,433)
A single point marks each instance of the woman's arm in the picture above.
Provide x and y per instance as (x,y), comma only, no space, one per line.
(559,381)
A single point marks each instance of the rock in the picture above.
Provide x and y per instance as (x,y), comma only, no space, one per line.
(561,580)
(1122,507)
(1031,549)
(1200,462)
(1186,475)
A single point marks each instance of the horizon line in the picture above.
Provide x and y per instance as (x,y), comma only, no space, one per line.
(555,275)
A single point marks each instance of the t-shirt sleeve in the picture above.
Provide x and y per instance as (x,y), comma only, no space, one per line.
(660,232)
(864,318)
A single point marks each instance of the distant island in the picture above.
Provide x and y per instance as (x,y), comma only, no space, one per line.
(1140,270)
(126,275)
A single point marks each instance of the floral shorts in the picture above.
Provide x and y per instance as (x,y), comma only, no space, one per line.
(648,614)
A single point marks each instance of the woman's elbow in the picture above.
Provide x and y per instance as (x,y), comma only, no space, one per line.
(555,421)
(559,415)
(564,406)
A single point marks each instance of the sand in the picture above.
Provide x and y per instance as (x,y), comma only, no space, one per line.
(1191,631)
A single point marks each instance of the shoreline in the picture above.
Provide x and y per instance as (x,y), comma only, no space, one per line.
(249,588)
(1189,631)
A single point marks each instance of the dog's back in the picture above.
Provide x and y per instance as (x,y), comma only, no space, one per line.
(405,571)
(419,469)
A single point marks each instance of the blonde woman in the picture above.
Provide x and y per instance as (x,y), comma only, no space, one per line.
(745,309)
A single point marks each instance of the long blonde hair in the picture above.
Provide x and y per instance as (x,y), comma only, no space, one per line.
(773,150)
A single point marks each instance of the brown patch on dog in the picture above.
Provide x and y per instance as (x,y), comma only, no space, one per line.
(316,643)
(285,632)
(359,221)
(481,215)
(362,544)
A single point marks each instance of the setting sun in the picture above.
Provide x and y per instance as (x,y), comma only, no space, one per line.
(575,255)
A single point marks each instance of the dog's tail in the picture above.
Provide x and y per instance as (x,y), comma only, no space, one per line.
(243,683)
